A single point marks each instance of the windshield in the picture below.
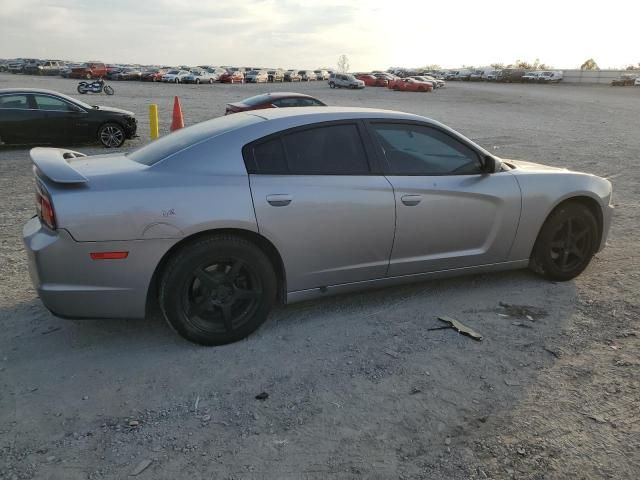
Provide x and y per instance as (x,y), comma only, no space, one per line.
(173,72)
(183,138)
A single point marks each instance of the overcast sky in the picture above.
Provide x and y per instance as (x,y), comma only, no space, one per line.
(374,34)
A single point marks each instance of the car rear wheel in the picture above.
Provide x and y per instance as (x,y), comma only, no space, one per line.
(197,81)
(111,135)
(332,85)
(177,80)
(566,243)
(217,290)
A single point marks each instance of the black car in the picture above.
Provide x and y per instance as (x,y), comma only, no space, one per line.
(34,116)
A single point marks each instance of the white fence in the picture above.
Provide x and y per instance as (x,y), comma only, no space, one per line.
(594,76)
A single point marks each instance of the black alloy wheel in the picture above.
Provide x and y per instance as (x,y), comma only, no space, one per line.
(218,290)
(567,242)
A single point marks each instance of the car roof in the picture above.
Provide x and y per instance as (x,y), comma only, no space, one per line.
(30,90)
(328,114)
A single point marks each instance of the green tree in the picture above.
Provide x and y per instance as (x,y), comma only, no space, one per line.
(589,64)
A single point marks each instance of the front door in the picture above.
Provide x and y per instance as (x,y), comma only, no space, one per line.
(59,120)
(449,213)
(315,198)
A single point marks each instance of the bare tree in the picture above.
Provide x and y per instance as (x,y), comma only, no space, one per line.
(589,65)
(497,66)
(343,63)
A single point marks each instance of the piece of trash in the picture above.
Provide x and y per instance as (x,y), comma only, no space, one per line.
(552,352)
(391,353)
(33,389)
(520,324)
(524,311)
(262,396)
(614,347)
(415,390)
(195,405)
(86,397)
(141,467)
(459,327)
(51,330)
(206,418)
(521,451)
(595,418)
(447,441)
(512,383)
(134,423)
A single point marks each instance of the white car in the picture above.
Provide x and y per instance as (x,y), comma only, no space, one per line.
(550,76)
(531,76)
(175,76)
(636,82)
(199,76)
(257,76)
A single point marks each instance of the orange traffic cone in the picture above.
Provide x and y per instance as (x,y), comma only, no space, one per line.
(177,120)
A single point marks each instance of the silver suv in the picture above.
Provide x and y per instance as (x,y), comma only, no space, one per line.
(344,80)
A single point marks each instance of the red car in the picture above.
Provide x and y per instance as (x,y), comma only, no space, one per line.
(372,81)
(90,70)
(153,75)
(412,85)
(232,77)
(274,100)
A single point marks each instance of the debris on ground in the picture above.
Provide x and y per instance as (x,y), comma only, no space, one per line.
(391,353)
(459,327)
(520,324)
(262,396)
(523,311)
(415,390)
(141,467)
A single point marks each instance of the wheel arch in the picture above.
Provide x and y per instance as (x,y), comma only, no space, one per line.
(589,202)
(259,240)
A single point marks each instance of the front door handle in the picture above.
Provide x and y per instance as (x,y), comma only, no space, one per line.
(279,200)
(411,200)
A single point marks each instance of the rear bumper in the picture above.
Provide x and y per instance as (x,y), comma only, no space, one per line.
(71,284)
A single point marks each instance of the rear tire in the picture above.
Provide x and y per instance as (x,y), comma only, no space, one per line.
(566,243)
(332,85)
(217,290)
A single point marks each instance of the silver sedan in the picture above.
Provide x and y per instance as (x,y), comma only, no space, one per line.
(218,221)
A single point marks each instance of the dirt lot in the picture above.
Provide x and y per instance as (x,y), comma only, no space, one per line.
(358,386)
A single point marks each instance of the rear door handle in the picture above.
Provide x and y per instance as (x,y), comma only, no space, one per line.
(279,200)
(411,200)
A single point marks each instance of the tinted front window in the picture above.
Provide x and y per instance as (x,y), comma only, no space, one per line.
(421,150)
(50,103)
(14,101)
(269,157)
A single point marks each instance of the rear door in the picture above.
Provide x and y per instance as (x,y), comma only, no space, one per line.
(318,199)
(18,119)
(449,213)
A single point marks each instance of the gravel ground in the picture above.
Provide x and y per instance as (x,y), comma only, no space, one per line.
(358,386)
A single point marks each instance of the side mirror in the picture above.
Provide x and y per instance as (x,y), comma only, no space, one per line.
(489,164)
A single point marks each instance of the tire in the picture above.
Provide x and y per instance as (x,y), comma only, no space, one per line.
(197,81)
(177,80)
(109,90)
(560,253)
(217,290)
(111,135)
(211,81)
(81,89)
(332,85)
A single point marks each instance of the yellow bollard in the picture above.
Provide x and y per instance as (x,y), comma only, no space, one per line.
(153,121)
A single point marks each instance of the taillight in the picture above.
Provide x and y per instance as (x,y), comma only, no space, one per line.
(45,207)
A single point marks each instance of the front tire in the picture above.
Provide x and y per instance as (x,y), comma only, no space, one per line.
(566,243)
(332,85)
(109,90)
(218,290)
(111,135)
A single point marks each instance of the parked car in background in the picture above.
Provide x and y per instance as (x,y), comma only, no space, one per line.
(531,77)
(175,76)
(17,65)
(89,70)
(256,76)
(371,80)
(435,83)
(510,75)
(479,74)
(273,100)
(33,116)
(625,80)
(153,74)
(551,77)
(492,76)
(344,80)
(307,75)
(292,76)
(275,76)
(235,76)
(322,74)
(50,67)
(200,76)
(411,84)
(128,73)
(246,223)
(636,82)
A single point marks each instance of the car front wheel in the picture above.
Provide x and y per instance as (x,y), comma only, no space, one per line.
(566,243)
(217,290)
(111,135)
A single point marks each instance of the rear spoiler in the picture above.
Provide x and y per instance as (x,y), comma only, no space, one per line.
(52,162)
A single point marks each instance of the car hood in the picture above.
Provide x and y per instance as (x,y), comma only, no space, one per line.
(113,110)
(531,166)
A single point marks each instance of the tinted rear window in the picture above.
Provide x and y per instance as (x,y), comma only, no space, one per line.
(185,137)
(257,100)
